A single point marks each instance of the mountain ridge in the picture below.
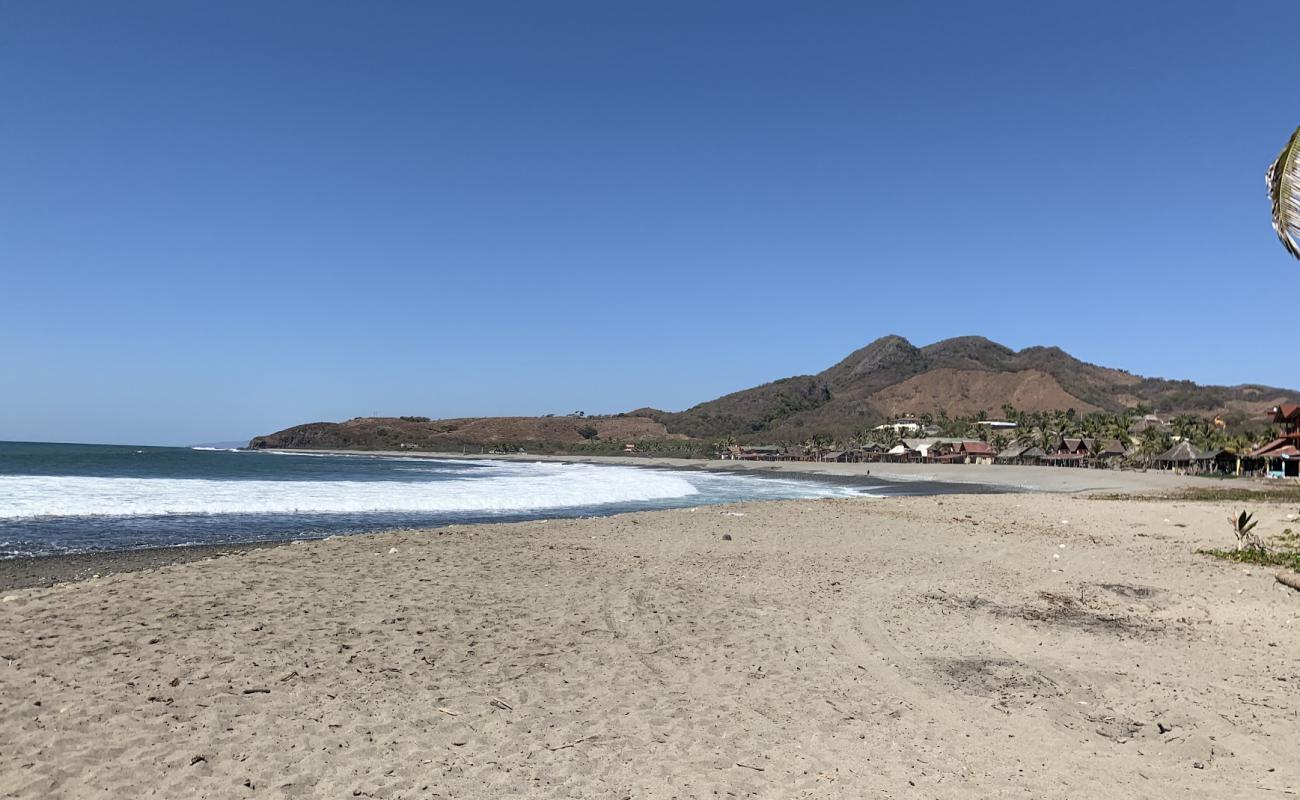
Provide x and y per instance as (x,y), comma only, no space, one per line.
(886,378)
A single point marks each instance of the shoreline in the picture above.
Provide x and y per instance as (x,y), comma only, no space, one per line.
(1000,477)
(54,568)
(51,569)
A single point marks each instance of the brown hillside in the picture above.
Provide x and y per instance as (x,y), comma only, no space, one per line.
(967,392)
(391,433)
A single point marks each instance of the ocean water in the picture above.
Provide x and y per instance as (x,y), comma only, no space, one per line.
(62,498)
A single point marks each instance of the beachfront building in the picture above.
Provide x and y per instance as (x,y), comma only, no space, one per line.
(977,452)
(1021,454)
(1281,457)
(929,448)
(873,451)
(960,451)
(845,456)
(1112,453)
(1187,457)
(900,453)
(1071,452)
(752,452)
(796,452)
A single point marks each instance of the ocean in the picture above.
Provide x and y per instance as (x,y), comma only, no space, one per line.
(71,498)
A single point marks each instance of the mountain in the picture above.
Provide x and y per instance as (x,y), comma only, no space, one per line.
(962,376)
(887,378)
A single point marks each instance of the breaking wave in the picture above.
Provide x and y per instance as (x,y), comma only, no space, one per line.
(518,489)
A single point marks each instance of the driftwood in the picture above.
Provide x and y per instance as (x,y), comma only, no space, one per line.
(1289,579)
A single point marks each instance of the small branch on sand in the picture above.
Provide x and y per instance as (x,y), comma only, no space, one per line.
(749,766)
(567,745)
(501,704)
(449,711)
(1289,579)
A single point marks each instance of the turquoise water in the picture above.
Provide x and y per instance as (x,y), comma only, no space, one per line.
(60,498)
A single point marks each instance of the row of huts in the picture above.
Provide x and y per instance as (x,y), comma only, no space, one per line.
(1066,452)
(1278,458)
(935,450)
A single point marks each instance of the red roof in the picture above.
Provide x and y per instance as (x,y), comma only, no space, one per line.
(1275,448)
(1286,411)
(978,448)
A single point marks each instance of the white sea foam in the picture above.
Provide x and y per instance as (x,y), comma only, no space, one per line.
(516,488)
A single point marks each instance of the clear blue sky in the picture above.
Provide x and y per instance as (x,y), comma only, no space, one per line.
(220,219)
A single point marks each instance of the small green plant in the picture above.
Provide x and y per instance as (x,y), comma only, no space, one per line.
(1262,558)
(1243,526)
(1252,549)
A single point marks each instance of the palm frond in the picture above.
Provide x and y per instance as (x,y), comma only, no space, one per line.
(1283,179)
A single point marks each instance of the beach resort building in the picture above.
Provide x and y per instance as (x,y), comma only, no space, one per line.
(1187,457)
(752,452)
(1281,457)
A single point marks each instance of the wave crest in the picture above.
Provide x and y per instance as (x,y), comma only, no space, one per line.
(29,496)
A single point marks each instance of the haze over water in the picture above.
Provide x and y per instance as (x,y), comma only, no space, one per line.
(59,498)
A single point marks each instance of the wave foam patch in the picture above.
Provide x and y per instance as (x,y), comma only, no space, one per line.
(516,490)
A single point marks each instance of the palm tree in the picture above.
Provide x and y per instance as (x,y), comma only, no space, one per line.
(724,443)
(1046,432)
(1154,442)
(1184,425)
(1283,181)
(1120,426)
(816,445)
(889,437)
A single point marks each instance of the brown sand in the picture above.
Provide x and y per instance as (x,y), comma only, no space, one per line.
(1035,646)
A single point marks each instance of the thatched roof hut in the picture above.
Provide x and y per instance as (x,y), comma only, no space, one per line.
(1186,454)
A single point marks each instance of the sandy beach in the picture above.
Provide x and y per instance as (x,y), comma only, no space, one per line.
(1028,645)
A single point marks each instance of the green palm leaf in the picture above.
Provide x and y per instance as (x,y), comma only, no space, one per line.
(1283,181)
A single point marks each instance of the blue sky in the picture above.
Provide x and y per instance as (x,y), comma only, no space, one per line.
(220,219)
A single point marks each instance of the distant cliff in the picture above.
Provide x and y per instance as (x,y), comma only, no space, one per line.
(448,435)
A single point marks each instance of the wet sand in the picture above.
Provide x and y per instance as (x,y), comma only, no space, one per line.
(21,573)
